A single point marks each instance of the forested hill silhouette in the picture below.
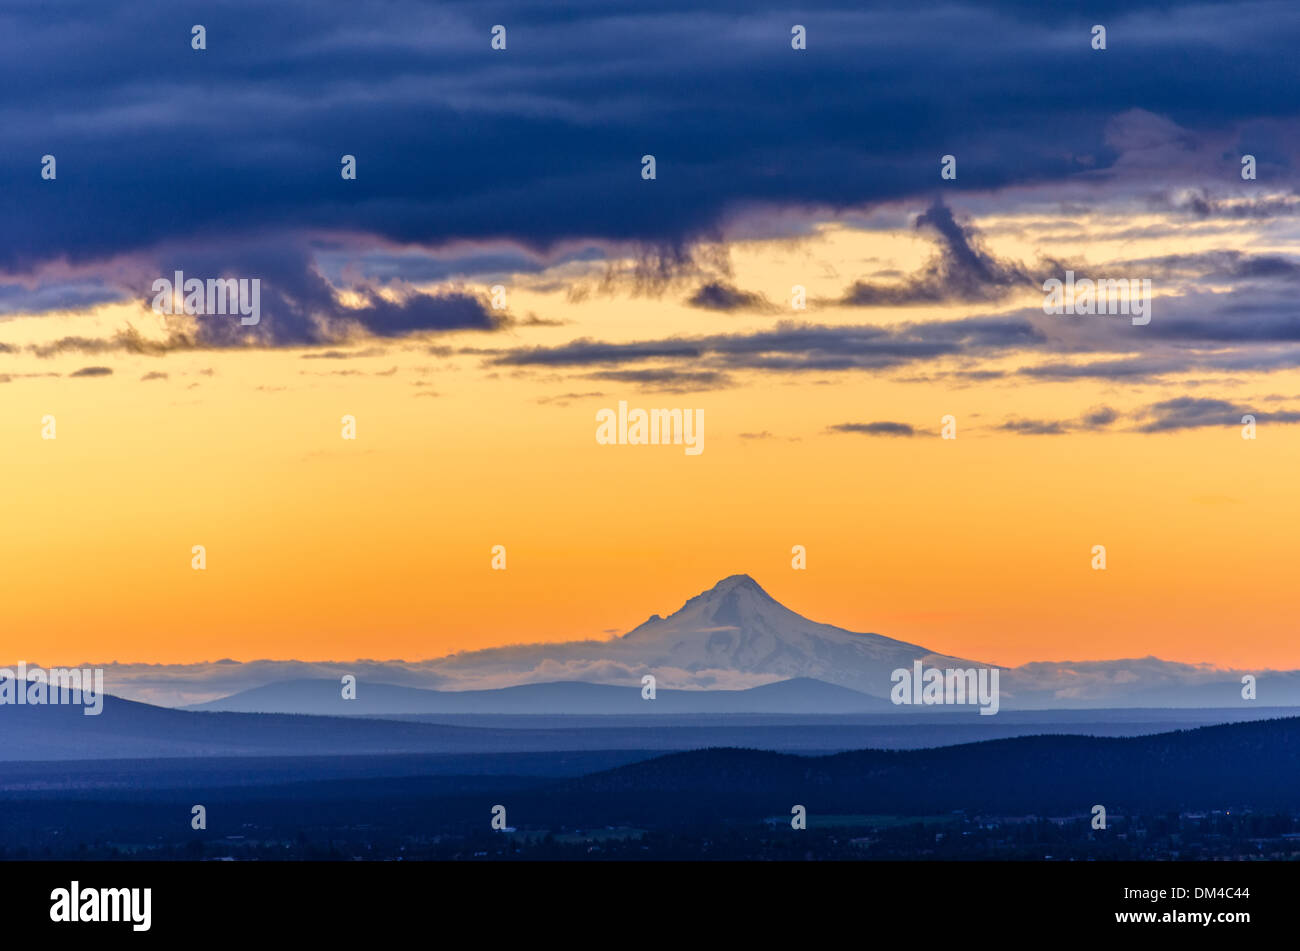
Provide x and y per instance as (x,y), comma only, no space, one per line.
(1242,765)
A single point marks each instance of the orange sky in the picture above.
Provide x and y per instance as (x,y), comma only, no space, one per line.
(322,548)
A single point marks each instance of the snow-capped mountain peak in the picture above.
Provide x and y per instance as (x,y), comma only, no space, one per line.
(737,626)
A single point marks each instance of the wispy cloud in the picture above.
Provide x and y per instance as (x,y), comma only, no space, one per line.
(882,428)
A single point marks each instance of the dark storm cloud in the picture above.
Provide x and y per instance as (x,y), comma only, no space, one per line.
(158,143)
(69,295)
(225,163)
(299,306)
(385,318)
(962,270)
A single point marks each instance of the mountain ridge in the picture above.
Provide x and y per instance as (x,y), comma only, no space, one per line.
(323,697)
(731,636)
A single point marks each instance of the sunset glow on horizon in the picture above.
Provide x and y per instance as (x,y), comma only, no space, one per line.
(323,548)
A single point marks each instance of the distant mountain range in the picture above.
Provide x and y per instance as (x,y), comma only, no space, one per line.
(1252,765)
(136,731)
(795,696)
(126,729)
(731,637)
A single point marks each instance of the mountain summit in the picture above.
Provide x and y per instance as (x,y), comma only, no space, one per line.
(729,601)
(733,635)
(737,626)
